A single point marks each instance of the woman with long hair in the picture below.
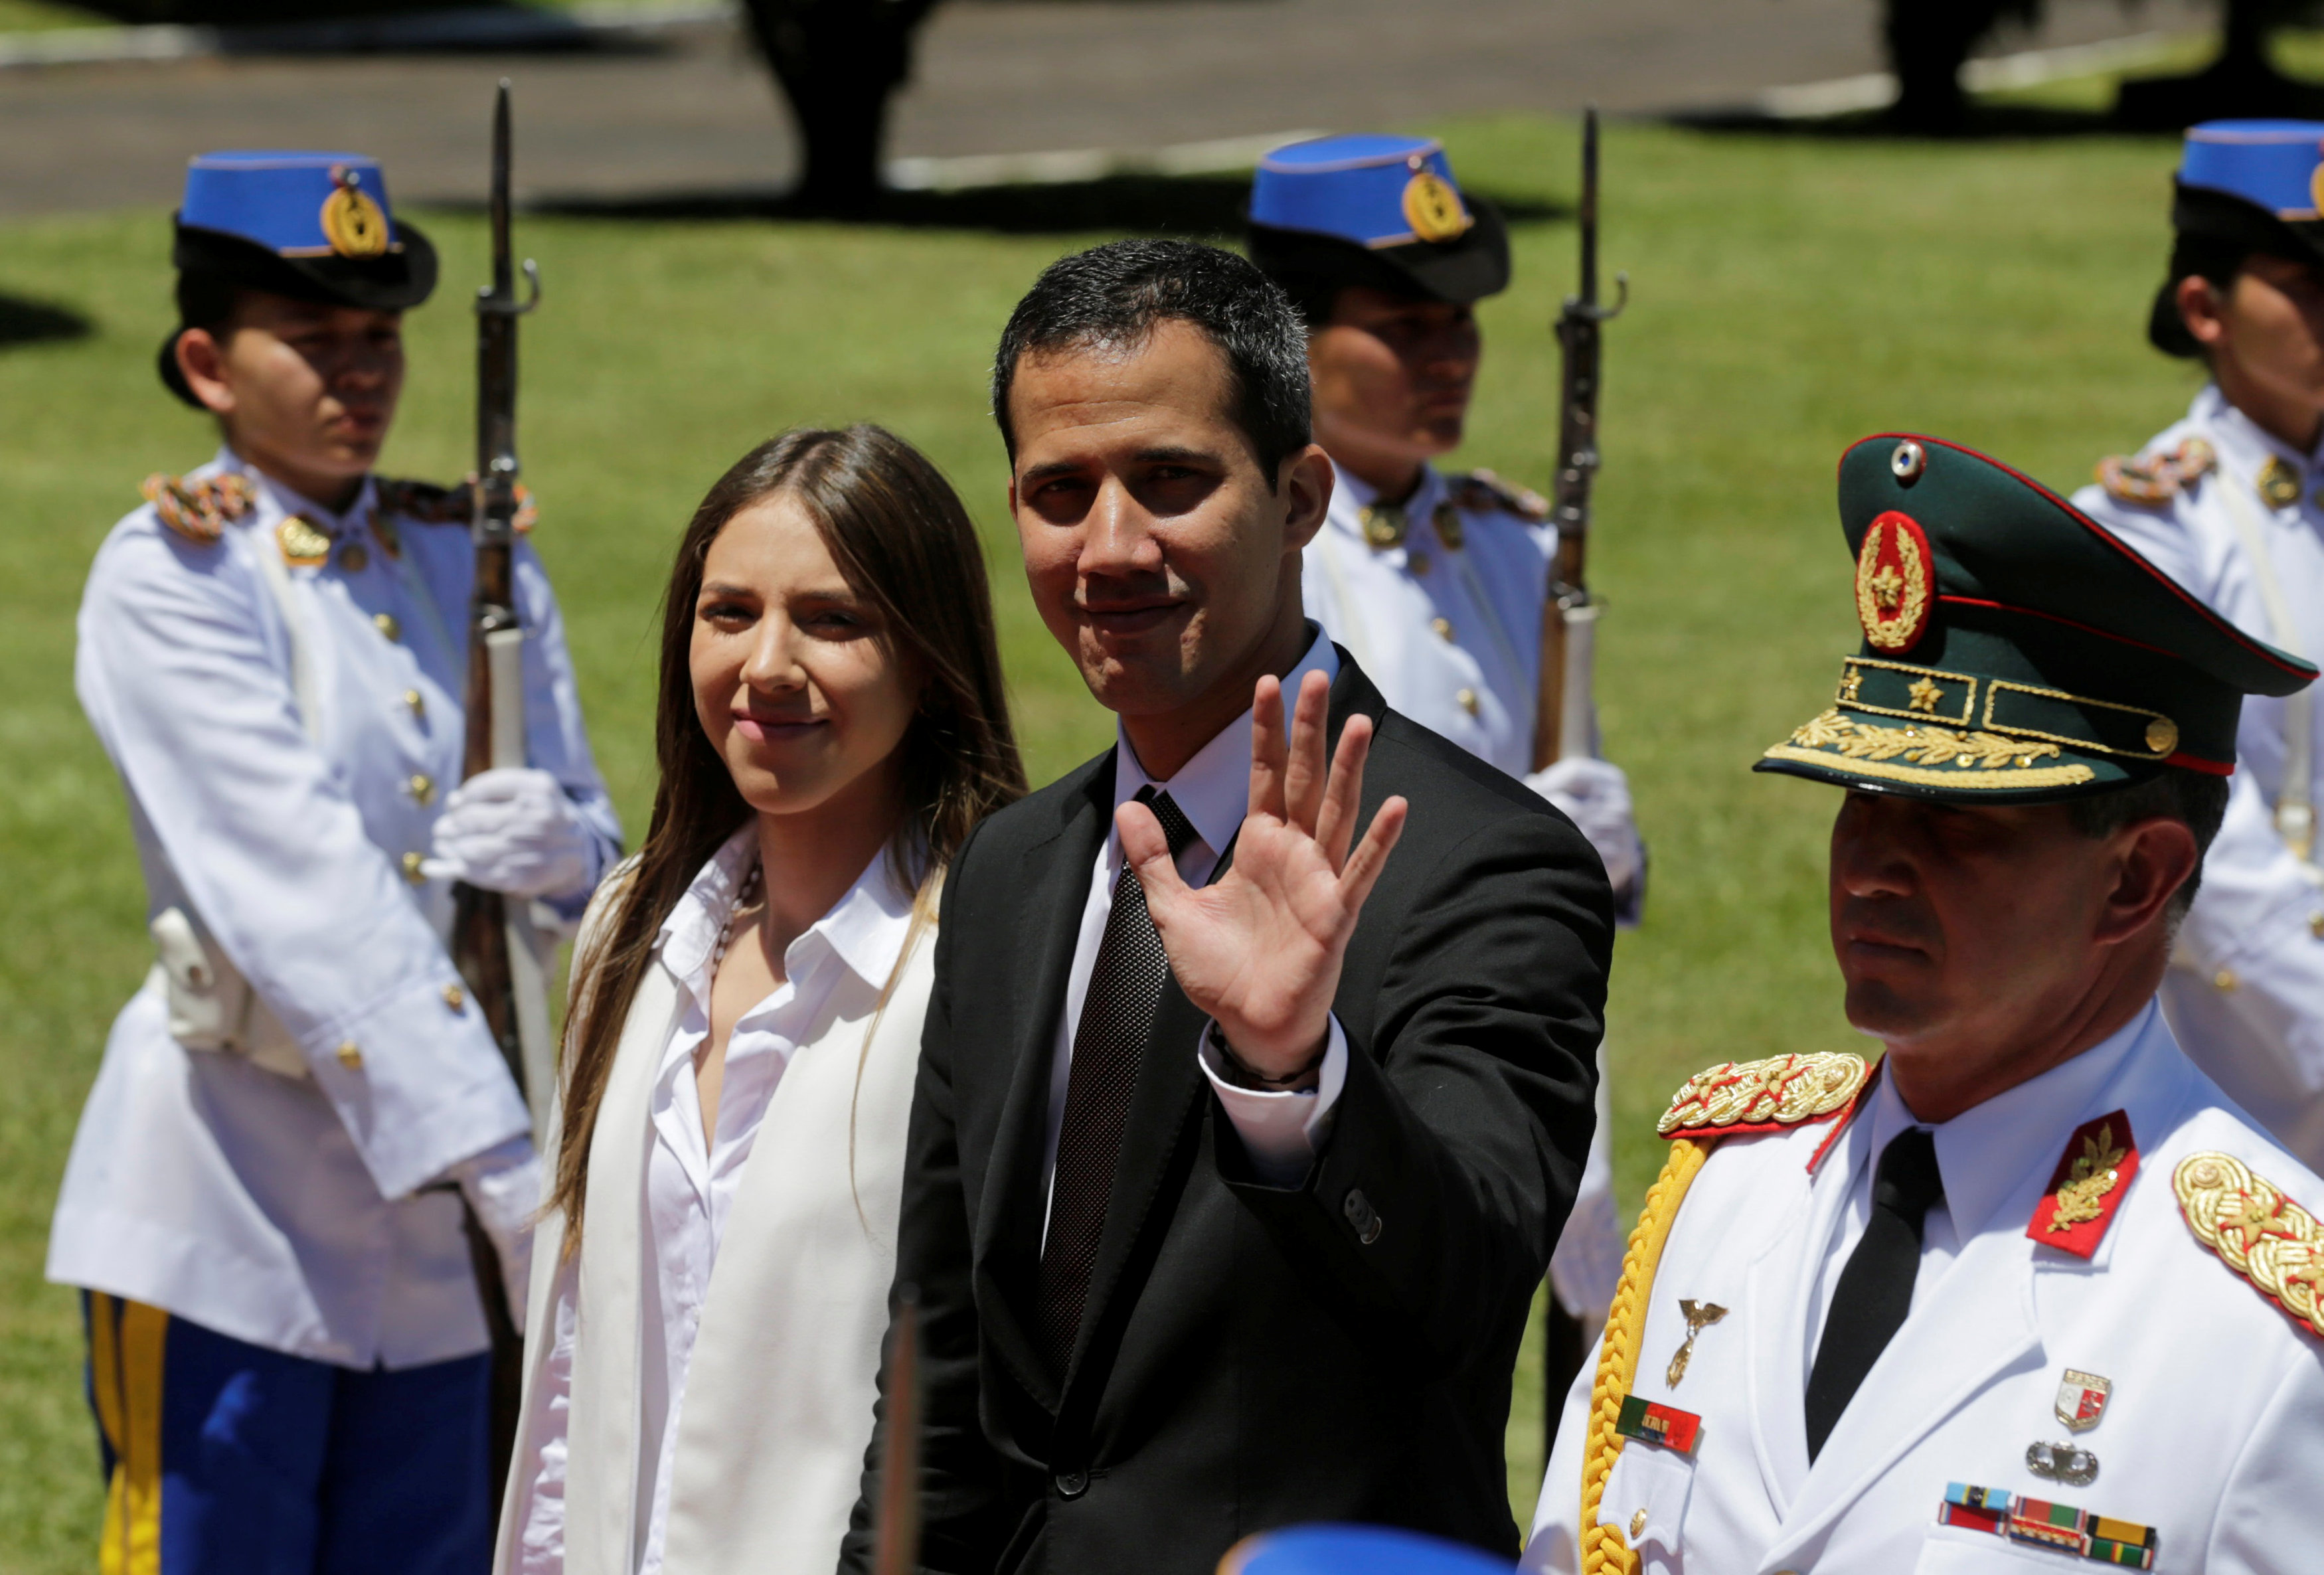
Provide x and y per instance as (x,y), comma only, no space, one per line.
(712,1272)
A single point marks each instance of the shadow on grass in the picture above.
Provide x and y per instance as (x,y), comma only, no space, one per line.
(1179,204)
(1984,123)
(33,322)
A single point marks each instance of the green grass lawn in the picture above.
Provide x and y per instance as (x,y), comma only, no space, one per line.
(1791,292)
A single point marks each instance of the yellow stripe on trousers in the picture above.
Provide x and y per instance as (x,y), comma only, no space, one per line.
(126,1340)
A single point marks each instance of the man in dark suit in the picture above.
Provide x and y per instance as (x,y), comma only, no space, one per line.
(1239,1145)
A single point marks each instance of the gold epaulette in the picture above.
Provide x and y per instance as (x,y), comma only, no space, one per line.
(2256,1230)
(426,503)
(1486,492)
(199,510)
(2152,479)
(1761,1096)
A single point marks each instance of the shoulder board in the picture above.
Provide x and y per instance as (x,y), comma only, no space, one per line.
(2092,1179)
(1762,1096)
(199,510)
(1487,493)
(2152,479)
(2256,1230)
(426,503)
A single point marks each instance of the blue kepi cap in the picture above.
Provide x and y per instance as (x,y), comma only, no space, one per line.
(1380,209)
(314,226)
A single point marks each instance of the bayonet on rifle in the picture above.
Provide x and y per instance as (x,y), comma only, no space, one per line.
(1565,716)
(493,941)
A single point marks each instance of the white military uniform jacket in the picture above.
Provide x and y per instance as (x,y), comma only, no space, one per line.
(2213,1434)
(2246,990)
(1447,622)
(284,1210)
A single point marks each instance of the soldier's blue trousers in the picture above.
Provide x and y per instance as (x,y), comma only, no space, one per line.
(227,1459)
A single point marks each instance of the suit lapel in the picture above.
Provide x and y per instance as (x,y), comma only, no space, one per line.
(1055,890)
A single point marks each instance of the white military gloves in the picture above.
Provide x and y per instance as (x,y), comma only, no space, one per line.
(1596,797)
(512,830)
(502,1189)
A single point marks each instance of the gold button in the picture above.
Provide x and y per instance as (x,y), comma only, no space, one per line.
(423,788)
(419,703)
(1447,520)
(349,1056)
(354,557)
(1444,627)
(1468,699)
(411,863)
(1637,1526)
(1417,562)
(2225,978)
(386,624)
(2315,926)
(454,997)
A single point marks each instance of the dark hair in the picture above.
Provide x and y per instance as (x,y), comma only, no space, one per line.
(2196,799)
(1111,296)
(900,535)
(205,300)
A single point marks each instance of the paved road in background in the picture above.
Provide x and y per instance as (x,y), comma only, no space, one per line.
(699,116)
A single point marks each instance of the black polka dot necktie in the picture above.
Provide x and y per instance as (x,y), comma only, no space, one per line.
(1125,986)
(1874,1293)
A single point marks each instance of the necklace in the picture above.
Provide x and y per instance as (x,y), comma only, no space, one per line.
(742,901)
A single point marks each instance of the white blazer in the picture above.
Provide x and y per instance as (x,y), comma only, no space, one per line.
(777,1413)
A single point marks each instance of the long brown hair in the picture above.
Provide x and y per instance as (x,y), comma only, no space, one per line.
(897,532)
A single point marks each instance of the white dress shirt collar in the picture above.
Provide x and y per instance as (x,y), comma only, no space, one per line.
(287,501)
(1988,1154)
(1212,789)
(865,928)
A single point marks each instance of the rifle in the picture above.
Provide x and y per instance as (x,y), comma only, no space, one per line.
(1565,716)
(495,944)
(1565,719)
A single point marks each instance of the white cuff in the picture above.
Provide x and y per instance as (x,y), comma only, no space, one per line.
(1281,1129)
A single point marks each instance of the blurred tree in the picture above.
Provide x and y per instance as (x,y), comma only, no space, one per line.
(839,63)
(1929,41)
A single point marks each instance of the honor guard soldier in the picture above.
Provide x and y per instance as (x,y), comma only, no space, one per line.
(2032,1292)
(263,1205)
(2230,502)
(1434,581)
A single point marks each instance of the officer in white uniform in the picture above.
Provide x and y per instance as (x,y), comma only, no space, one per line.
(1434,581)
(2032,1293)
(263,1202)
(2230,503)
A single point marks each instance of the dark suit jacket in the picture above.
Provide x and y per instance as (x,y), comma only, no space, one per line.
(1253,1356)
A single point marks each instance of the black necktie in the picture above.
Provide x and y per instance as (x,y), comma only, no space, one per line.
(1125,986)
(1876,1286)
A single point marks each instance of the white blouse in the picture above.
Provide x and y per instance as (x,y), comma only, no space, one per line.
(690,1185)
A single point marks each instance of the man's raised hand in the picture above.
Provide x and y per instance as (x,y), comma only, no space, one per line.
(1260,949)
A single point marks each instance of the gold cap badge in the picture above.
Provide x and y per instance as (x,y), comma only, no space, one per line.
(355,224)
(1894,581)
(1432,209)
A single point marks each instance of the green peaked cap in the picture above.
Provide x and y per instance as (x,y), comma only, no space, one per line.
(2015,650)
